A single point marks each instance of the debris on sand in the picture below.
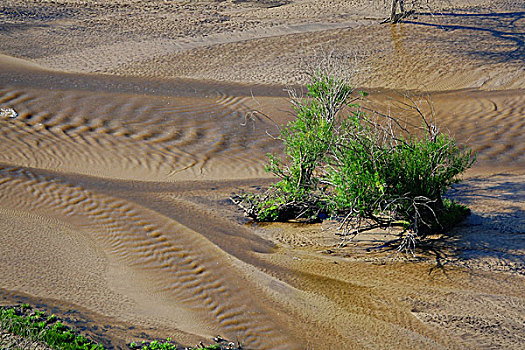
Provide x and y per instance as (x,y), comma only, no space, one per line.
(8,113)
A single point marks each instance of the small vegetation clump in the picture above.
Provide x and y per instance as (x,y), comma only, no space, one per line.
(35,325)
(168,344)
(368,172)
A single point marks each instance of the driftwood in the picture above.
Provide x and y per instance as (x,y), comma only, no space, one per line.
(396,17)
(8,113)
(293,211)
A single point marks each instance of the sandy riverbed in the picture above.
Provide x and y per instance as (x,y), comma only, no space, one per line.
(136,124)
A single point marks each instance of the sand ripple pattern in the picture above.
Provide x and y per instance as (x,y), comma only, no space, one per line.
(493,124)
(89,59)
(133,137)
(192,273)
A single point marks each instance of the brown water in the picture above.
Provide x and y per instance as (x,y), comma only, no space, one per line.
(114,189)
(170,251)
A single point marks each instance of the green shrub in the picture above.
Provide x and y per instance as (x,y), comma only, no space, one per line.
(33,324)
(402,179)
(338,162)
(169,345)
(307,140)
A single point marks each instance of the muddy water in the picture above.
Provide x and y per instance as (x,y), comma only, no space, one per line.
(113,197)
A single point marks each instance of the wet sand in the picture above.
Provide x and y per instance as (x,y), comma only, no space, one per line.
(137,120)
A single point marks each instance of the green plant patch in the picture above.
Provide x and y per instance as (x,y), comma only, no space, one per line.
(367,172)
(30,323)
(35,325)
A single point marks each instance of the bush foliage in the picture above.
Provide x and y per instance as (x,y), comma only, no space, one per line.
(34,324)
(371,172)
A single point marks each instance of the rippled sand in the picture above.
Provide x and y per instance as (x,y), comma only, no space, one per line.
(114,187)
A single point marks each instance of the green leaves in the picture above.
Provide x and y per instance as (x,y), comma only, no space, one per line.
(350,166)
(401,180)
(307,140)
(33,324)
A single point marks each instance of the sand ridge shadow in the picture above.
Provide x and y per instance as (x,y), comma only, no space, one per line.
(22,17)
(264,3)
(492,236)
(494,233)
(503,187)
(505,27)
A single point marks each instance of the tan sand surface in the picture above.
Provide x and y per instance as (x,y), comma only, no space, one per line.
(138,119)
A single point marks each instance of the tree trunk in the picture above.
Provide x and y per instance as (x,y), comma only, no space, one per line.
(396,17)
(393,11)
